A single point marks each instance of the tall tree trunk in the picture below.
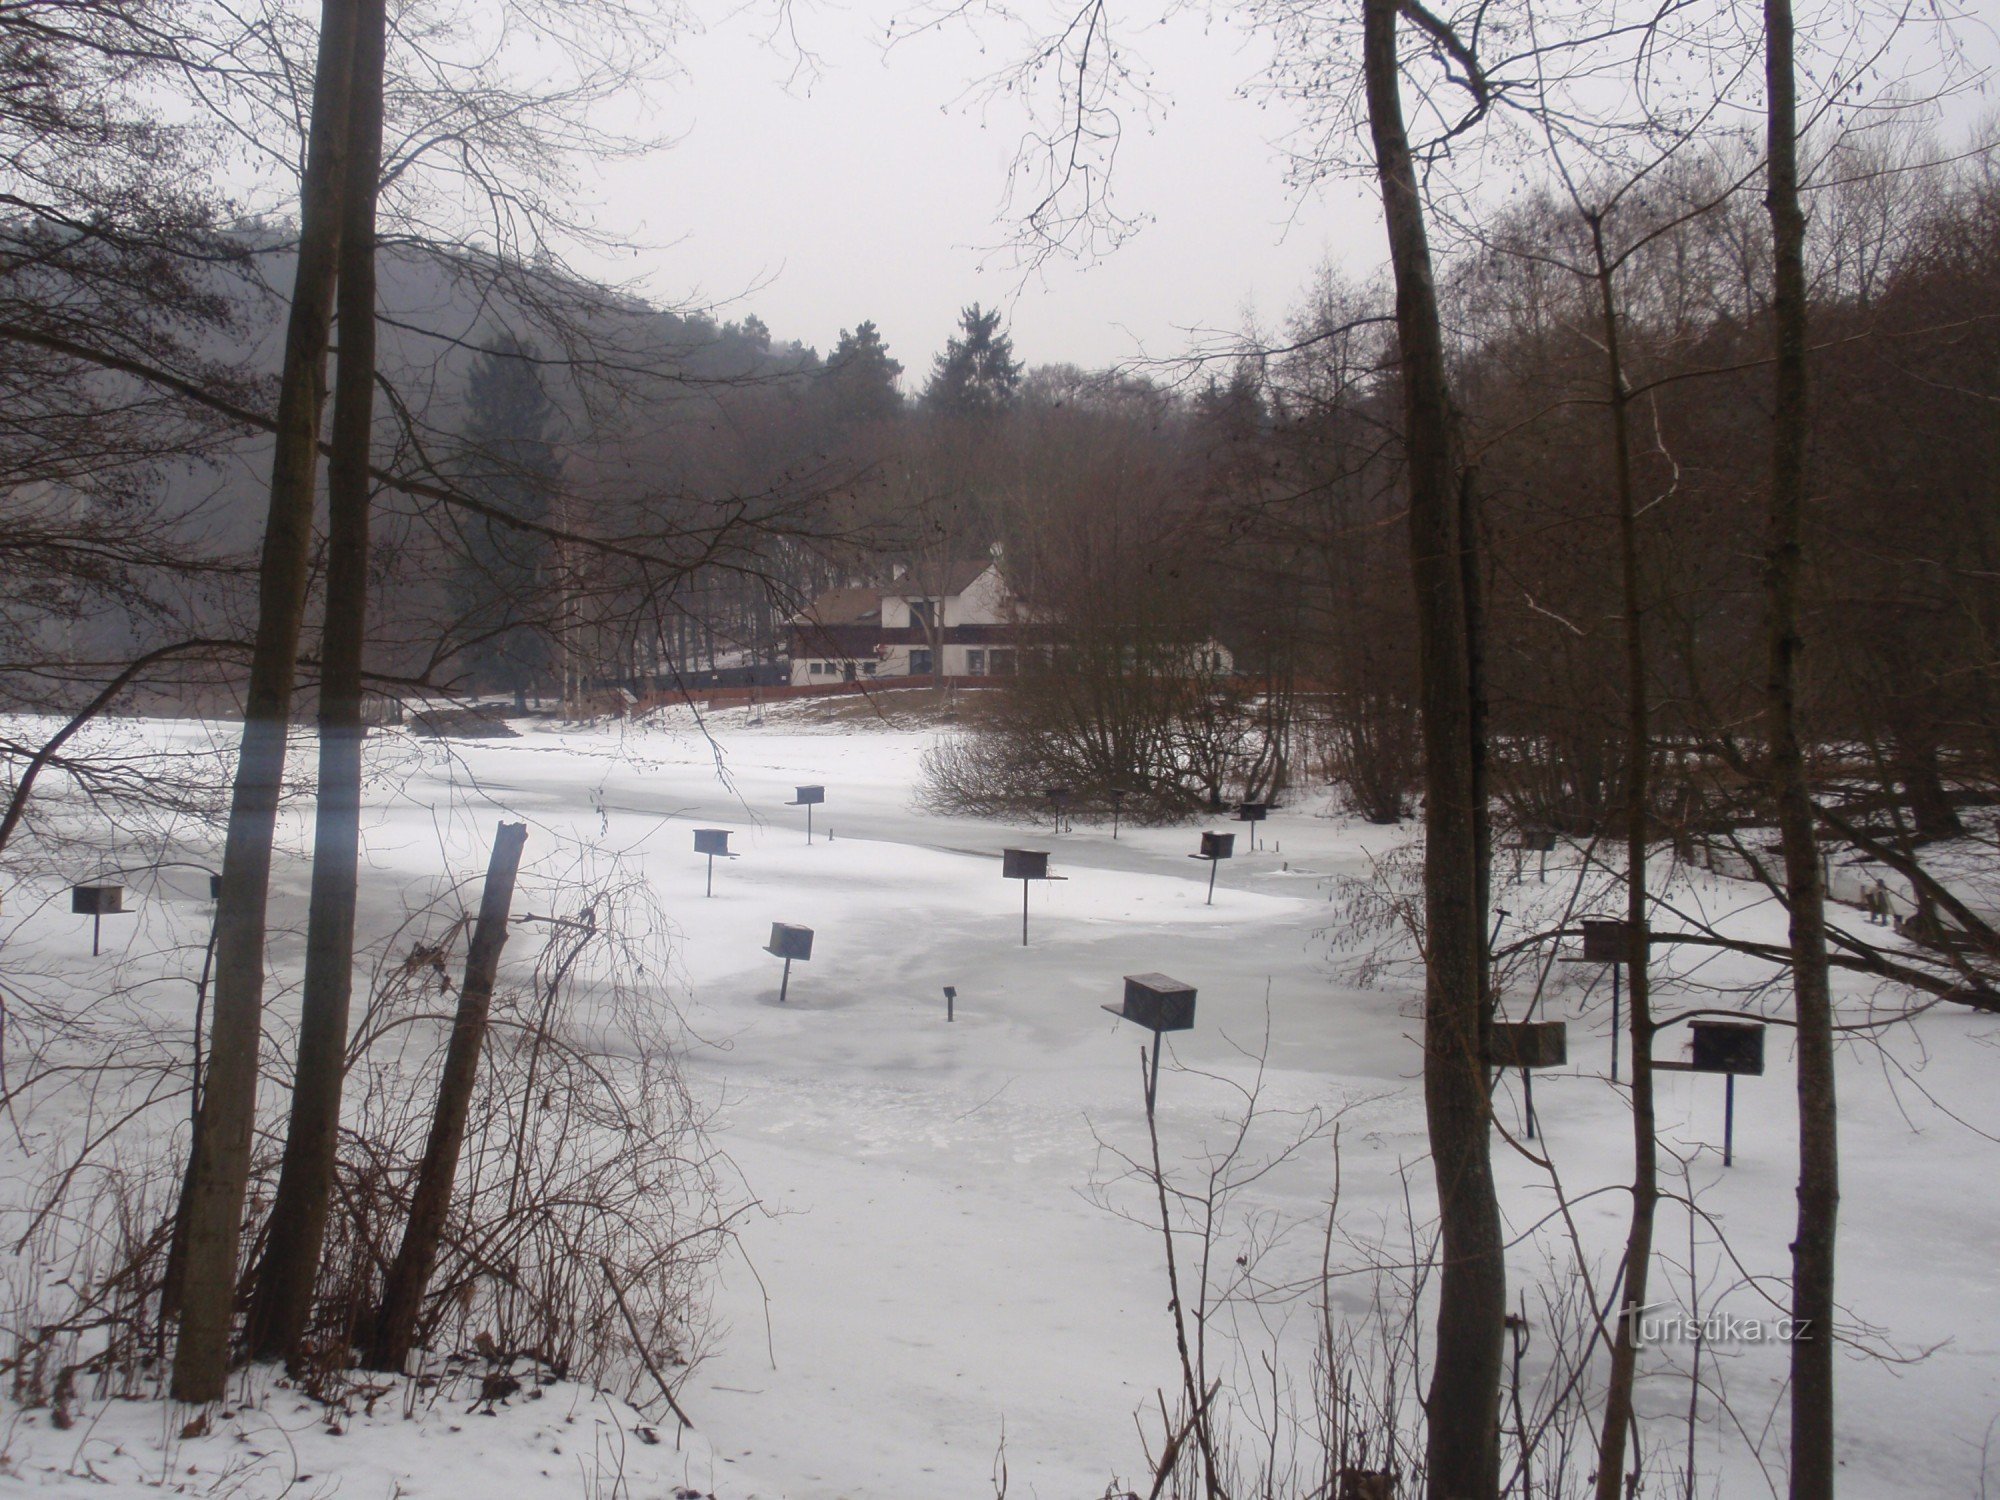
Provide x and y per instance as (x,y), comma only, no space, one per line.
(1463,1405)
(1474,587)
(1805,893)
(403,1292)
(1611,1440)
(214,1215)
(290,1267)
(1919,775)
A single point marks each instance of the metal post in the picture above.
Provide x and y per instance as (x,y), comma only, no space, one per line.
(950,1002)
(1153,1082)
(809,825)
(1211,883)
(711,875)
(1617,992)
(1024,914)
(1528,1097)
(96,925)
(1728,1118)
(1544,876)
(785,983)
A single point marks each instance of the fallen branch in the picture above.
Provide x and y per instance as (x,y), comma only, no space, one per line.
(639,1343)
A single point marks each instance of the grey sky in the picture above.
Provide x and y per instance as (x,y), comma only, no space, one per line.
(869,185)
(873,191)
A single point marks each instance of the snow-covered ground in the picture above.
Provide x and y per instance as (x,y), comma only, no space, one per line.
(940,1277)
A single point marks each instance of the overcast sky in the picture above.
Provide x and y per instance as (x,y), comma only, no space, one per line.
(870,186)
(873,190)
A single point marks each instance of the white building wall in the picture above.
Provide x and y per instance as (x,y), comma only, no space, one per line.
(824,671)
(984,602)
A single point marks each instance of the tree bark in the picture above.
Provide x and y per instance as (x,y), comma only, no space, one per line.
(409,1276)
(290,1267)
(1915,762)
(1463,1405)
(1618,1398)
(1812,1475)
(221,1161)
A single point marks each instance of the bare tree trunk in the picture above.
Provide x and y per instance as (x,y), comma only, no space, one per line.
(221,1167)
(1805,892)
(1463,1405)
(1920,777)
(1475,679)
(290,1267)
(1611,1439)
(403,1292)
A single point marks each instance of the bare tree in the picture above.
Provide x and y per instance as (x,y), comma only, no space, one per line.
(1812,1471)
(1462,1456)
(290,1265)
(220,1169)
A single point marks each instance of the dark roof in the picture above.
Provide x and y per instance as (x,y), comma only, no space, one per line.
(842,607)
(958,577)
(861,606)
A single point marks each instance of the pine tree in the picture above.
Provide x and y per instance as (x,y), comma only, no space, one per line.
(861,378)
(977,375)
(508,460)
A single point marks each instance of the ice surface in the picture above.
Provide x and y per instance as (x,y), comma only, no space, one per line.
(936,1262)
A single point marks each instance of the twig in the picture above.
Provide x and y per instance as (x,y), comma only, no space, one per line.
(639,1343)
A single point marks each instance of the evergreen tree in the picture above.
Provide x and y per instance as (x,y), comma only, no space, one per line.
(507,459)
(977,375)
(861,378)
(752,333)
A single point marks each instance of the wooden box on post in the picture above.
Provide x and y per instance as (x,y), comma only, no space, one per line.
(96,900)
(789,942)
(1728,1047)
(1217,846)
(1157,1003)
(1024,864)
(711,841)
(1528,1044)
(1537,841)
(809,797)
(1606,940)
(1252,813)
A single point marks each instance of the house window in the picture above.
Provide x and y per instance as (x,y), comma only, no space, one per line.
(1000,664)
(975,662)
(868,668)
(920,661)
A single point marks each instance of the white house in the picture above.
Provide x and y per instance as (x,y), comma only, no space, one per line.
(963,610)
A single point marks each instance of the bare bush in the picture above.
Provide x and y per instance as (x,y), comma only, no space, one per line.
(588,1206)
